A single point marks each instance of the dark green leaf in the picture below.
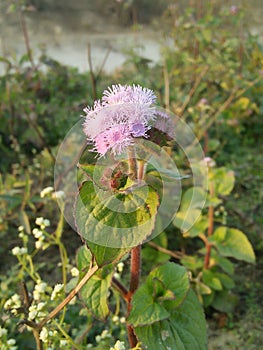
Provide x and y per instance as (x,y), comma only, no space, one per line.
(185,329)
(163,291)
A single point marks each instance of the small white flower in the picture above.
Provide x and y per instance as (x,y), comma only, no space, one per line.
(98,338)
(56,291)
(115,319)
(21,228)
(46,222)
(11,341)
(43,335)
(58,195)
(16,251)
(46,191)
(41,287)
(8,304)
(120,266)
(63,342)
(37,233)
(3,331)
(42,222)
(19,251)
(122,320)
(117,275)
(39,221)
(41,306)
(16,299)
(39,244)
(32,312)
(23,251)
(105,334)
(74,272)
(120,345)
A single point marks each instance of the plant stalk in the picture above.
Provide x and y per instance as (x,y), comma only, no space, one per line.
(71,295)
(209,231)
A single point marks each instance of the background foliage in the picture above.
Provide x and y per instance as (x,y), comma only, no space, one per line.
(211,75)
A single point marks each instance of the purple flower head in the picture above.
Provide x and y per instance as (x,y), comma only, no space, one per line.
(128,94)
(234,10)
(124,113)
(116,138)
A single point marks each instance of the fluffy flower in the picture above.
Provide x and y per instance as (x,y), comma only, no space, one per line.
(124,113)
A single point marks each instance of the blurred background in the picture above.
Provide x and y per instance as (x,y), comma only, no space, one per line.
(204,60)
(64,28)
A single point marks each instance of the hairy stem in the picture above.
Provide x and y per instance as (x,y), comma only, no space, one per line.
(132,163)
(136,172)
(134,283)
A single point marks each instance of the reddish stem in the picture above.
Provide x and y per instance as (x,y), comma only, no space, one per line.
(134,283)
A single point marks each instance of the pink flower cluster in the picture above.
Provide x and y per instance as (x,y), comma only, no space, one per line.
(124,113)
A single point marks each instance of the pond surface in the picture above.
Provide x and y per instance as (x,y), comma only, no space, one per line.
(65,36)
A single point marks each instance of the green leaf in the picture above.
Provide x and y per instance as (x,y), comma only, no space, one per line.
(112,223)
(192,263)
(83,259)
(106,255)
(226,281)
(185,221)
(224,181)
(185,329)
(24,220)
(166,174)
(225,264)
(95,294)
(163,291)
(211,280)
(234,243)
(224,301)
(195,196)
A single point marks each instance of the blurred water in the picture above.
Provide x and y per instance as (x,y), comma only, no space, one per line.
(65,35)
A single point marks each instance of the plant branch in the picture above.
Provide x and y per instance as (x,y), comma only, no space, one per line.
(132,163)
(193,90)
(177,255)
(209,230)
(92,75)
(71,295)
(37,339)
(120,287)
(26,37)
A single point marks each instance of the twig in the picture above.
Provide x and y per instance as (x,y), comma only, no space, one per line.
(176,255)
(120,287)
(166,86)
(193,90)
(71,295)
(92,75)
(26,36)
(104,62)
